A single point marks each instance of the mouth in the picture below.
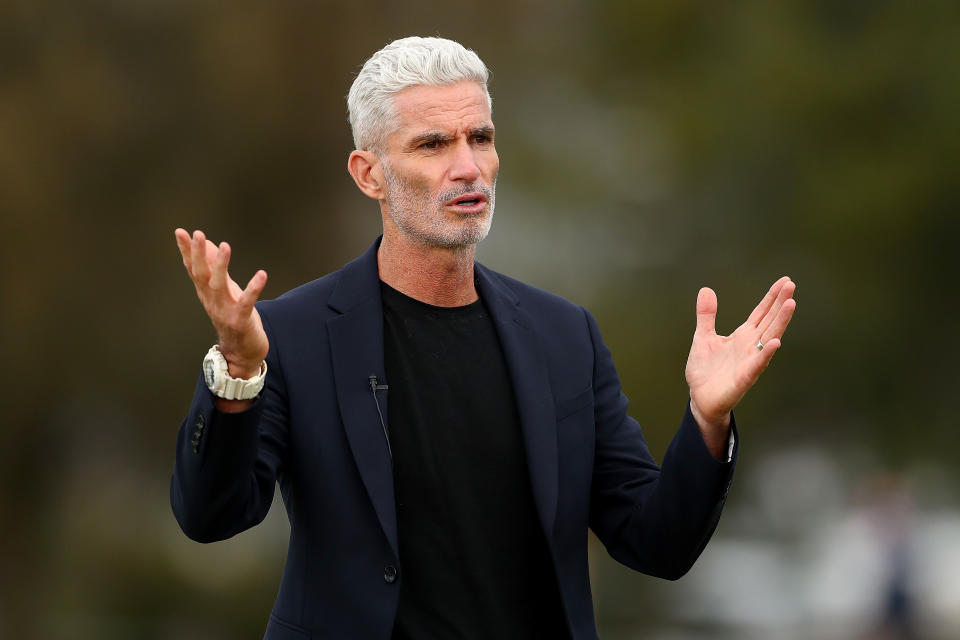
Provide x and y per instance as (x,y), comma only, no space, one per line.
(469,202)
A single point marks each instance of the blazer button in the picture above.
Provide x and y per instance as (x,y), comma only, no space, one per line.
(199,423)
(390,574)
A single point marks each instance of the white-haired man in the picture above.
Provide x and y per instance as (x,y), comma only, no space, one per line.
(443,435)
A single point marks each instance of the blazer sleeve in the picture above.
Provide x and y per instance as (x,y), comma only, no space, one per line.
(227,464)
(652,519)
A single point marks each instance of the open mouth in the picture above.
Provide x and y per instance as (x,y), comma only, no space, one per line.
(469,200)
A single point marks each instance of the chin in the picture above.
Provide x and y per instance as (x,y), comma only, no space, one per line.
(473,231)
(461,233)
(460,241)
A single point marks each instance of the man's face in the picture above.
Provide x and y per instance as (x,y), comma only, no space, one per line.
(440,165)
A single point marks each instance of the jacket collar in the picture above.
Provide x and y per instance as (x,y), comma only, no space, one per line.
(359,281)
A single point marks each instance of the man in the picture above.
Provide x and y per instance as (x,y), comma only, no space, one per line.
(443,435)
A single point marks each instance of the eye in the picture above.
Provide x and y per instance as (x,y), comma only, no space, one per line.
(430,144)
(482,138)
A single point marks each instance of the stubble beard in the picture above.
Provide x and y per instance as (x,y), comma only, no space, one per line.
(419,215)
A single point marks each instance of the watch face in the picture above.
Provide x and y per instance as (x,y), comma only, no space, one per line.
(208,372)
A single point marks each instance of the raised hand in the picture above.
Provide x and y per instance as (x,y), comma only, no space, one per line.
(721,369)
(240,333)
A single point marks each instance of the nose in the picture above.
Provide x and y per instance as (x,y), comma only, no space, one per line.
(463,163)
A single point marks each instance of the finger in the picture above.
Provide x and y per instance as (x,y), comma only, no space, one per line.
(779,325)
(769,349)
(183,244)
(218,278)
(211,250)
(706,311)
(198,257)
(786,293)
(761,309)
(254,288)
(762,360)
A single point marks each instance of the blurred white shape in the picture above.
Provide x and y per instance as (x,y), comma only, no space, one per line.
(846,570)
(937,544)
(822,564)
(741,583)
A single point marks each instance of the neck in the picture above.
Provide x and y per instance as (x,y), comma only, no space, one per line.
(439,276)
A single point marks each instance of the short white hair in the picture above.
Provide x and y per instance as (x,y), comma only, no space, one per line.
(403,63)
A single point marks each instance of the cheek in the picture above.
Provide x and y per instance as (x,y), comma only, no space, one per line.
(492,167)
(421,185)
(417,185)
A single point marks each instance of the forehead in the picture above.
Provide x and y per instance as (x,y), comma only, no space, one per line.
(448,108)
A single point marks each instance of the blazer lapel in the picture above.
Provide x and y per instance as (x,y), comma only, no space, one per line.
(531,383)
(356,344)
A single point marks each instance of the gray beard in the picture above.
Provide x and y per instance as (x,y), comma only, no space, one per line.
(419,217)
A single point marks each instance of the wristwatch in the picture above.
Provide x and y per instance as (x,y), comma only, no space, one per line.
(216,374)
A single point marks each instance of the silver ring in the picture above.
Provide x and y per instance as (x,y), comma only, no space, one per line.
(759,346)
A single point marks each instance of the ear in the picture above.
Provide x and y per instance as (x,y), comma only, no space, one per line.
(364,168)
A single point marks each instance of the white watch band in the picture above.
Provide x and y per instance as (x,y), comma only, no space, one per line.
(216,373)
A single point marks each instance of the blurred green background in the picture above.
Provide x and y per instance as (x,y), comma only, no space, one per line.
(647,148)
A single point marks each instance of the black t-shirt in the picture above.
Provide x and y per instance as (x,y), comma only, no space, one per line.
(473,559)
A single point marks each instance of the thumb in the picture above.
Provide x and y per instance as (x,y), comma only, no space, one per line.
(706,310)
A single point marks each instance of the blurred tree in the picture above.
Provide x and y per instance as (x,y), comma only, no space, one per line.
(648,148)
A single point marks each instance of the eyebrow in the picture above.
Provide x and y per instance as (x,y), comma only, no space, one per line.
(436,136)
(432,136)
(482,131)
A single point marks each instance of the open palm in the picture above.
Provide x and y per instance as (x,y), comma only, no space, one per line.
(240,333)
(721,369)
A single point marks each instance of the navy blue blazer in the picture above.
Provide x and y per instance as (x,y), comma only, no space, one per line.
(315,430)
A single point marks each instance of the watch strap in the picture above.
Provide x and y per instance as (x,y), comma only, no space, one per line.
(221,384)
